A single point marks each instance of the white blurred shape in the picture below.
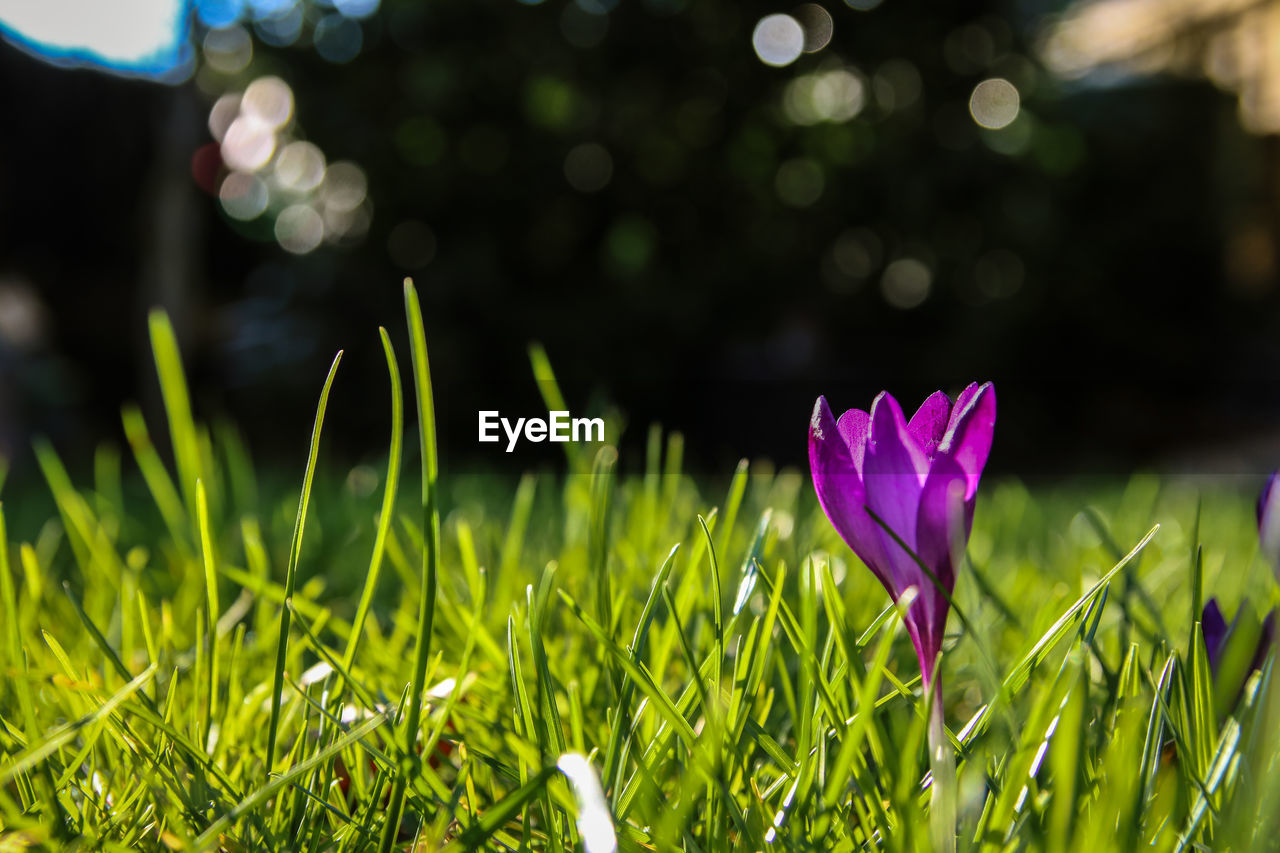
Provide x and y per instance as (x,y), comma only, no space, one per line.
(123,34)
(248,144)
(594,823)
(778,40)
(994,103)
(269,100)
(300,166)
(243,196)
(224,111)
(299,229)
(344,187)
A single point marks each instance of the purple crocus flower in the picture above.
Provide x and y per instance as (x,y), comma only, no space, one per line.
(1217,633)
(1269,521)
(1244,637)
(1214,629)
(919,477)
(1221,636)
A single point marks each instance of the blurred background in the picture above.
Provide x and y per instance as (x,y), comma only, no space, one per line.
(707,211)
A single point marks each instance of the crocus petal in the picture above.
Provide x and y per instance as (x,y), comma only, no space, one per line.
(942,528)
(829,456)
(893,476)
(963,398)
(929,423)
(855,426)
(1264,499)
(839,486)
(897,447)
(1269,522)
(894,468)
(1213,627)
(968,436)
(944,519)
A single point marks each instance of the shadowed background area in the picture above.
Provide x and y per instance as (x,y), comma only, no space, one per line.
(707,212)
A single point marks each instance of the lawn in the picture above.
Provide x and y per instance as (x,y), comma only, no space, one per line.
(588,660)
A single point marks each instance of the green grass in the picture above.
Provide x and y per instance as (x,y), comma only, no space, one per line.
(192,660)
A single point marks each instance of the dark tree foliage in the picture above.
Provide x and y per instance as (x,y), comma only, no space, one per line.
(707,261)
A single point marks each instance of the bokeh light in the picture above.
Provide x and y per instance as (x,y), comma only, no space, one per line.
(994,103)
(356,8)
(852,259)
(629,245)
(588,167)
(338,39)
(248,144)
(216,14)
(206,167)
(300,167)
(347,226)
(272,173)
(857,253)
(799,182)
(778,40)
(228,50)
(263,9)
(243,196)
(897,85)
(269,100)
(344,187)
(281,28)
(223,113)
(836,96)
(23,317)
(299,229)
(817,24)
(906,283)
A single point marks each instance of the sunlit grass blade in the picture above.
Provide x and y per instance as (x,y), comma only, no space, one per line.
(297,771)
(430,555)
(387,512)
(295,550)
(177,404)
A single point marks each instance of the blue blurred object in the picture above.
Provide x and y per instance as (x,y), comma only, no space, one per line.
(216,14)
(139,38)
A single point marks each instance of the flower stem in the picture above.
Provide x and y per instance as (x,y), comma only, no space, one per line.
(942,761)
